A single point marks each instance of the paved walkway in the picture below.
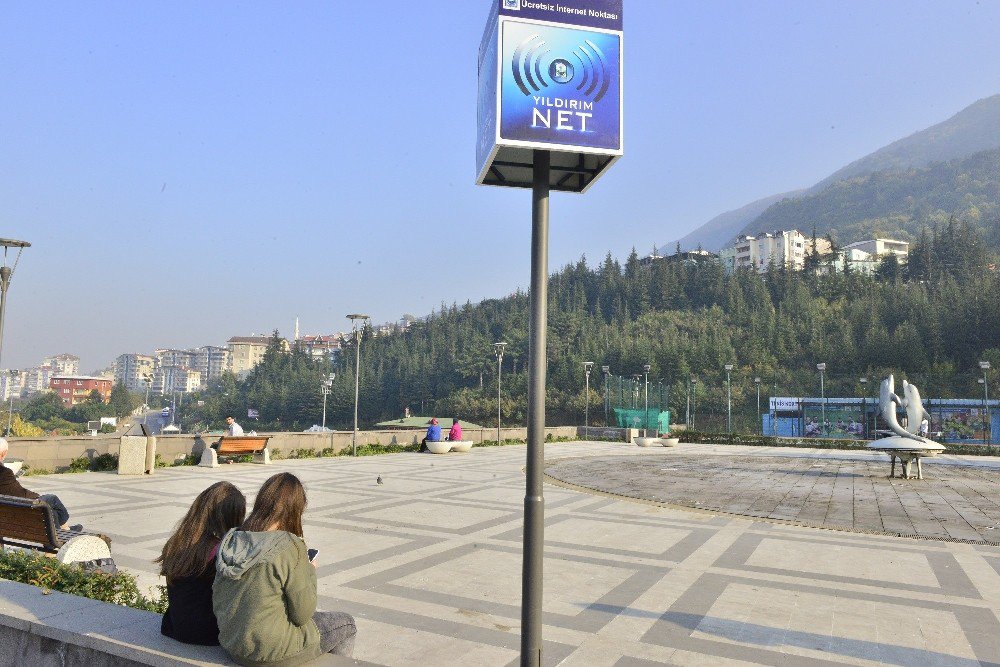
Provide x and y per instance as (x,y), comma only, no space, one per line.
(960,502)
(430,564)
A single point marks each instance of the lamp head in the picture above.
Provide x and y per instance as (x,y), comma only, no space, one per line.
(646,367)
(729,367)
(821,367)
(606,369)
(863,380)
(587,365)
(498,348)
(981,381)
(756,380)
(985,365)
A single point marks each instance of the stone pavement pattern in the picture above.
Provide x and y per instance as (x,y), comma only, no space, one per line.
(429,563)
(951,502)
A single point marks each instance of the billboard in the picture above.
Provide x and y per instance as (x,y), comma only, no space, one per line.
(550,78)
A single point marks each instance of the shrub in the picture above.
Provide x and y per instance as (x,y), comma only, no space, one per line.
(328,451)
(47,573)
(189,460)
(105,462)
(29,471)
(303,453)
(81,464)
(276,454)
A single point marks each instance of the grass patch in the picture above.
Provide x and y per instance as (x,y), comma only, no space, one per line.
(47,573)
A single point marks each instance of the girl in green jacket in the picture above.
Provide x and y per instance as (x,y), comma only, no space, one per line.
(264,593)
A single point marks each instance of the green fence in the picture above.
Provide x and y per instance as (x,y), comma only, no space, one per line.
(654,419)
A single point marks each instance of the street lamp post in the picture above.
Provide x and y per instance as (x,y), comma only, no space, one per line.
(498,352)
(326,388)
(354,317)
(760,424)
(694,400)
(822,395)
(985,366)
(729,399)
(864,407)
(587,365)
(607,399)
(6,273)
(645,398)
(10,415)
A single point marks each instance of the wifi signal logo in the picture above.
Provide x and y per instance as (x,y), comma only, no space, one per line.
(535,66)
(512,4)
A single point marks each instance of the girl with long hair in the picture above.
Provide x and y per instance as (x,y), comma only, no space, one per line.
(265,586)
(188,563)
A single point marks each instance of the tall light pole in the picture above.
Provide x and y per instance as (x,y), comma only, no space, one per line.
(822,395)
(645,394)
(760,424)
(985,365)
(326,389)
(6,273)
(687,416)
(498,352)
(729,398)
(587,365)
(10,381)
(694,398)
(864,407)
(607,400)
(354,317)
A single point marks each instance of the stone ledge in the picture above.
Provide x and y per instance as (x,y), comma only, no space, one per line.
(43,629)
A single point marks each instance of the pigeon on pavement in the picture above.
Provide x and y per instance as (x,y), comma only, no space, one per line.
(378,480)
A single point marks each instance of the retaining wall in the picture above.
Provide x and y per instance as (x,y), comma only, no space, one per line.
(56,452)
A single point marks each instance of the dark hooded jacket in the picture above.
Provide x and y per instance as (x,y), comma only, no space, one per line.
(264,596)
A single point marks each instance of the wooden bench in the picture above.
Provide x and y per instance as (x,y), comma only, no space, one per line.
(236,445)
(30,524)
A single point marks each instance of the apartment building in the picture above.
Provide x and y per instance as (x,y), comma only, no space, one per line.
(321,347)
(74,389)
(11,383)
(175,379)
(245,352)
(879,248)
(130,369)
(63,364)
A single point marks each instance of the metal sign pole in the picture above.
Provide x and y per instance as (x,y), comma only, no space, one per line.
(534,503)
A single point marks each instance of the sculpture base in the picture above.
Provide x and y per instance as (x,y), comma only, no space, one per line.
(906,450)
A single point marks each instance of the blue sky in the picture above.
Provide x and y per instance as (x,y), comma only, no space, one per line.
(189,171)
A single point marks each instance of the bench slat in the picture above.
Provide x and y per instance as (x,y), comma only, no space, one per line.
(242,444)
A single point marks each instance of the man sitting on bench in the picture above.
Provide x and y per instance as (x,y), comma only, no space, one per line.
(9,486)
(232,429)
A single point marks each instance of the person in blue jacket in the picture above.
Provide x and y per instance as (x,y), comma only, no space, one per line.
(433,434)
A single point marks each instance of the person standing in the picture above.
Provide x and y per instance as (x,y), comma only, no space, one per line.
(9,486)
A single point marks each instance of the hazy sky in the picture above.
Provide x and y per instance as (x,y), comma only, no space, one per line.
(190,171)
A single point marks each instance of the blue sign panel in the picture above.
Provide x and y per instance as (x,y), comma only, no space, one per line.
(604,14)
(560,86)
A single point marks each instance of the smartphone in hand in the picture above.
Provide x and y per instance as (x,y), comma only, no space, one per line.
(312,554)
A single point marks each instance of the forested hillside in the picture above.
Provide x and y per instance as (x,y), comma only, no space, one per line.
(896,204)
(932,325)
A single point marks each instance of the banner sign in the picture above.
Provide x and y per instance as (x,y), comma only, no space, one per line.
(550,78)
(782,404)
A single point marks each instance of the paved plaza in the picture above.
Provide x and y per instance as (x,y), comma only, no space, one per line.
(429,562)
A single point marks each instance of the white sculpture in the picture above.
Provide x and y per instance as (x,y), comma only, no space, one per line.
(906,445)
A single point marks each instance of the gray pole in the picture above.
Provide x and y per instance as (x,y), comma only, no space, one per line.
(325,392)
(986,405)
(586,407)
(5,272)
(357,387)
(498,348)
(822,396)
(729,403)
(645,398)
(534,502)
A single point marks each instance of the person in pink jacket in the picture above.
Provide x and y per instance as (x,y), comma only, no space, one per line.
(455,433)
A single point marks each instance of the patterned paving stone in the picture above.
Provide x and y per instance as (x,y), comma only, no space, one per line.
(429,563)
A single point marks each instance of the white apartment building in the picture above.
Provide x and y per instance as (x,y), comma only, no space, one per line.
(210,361)
(780,248)
(175,379)
(131,368)
(11,383)
(36,380)
(879,248)
(63,364)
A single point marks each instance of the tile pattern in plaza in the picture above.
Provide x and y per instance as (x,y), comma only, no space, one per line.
(951,502)
(430,563)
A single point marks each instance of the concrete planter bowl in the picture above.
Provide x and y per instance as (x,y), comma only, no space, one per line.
(441,447)
(670,442)
(461,446)
(647,442)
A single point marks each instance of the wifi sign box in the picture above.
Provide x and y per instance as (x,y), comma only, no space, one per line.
(550,77)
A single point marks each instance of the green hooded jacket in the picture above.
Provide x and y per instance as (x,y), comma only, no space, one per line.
(264,596)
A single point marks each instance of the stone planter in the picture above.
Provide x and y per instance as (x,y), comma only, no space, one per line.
(647,442)
(440,447)
(670,442)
